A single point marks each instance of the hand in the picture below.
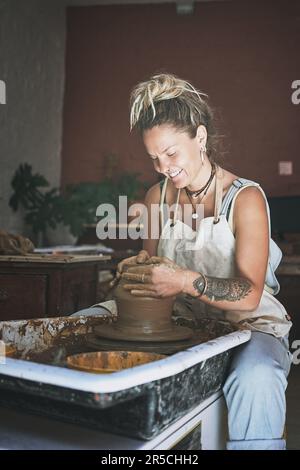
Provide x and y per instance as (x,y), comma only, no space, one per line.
(140,258)
(160,278)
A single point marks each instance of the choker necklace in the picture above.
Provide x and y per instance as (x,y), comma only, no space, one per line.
(195,194)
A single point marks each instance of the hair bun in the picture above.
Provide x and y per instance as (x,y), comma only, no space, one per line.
(158,88)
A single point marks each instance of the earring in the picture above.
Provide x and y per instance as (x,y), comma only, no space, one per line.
(202,152)
(202,156)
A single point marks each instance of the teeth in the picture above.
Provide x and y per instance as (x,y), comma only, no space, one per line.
(175,174)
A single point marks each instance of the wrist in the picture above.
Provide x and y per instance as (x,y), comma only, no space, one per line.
(194,284)
(188,278)
(200,285)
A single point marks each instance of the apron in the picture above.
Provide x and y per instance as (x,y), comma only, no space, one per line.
(211,250)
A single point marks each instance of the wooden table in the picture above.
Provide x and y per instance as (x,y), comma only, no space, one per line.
(36,286)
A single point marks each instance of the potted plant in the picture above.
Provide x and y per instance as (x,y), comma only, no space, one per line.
(84,198)
(75,207)
(40,205)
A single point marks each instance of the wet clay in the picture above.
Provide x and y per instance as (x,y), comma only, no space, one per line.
(143,318)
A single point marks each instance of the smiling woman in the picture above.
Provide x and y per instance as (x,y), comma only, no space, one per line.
(220,267)
(179,105)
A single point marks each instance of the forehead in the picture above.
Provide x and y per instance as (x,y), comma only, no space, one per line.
(161,137)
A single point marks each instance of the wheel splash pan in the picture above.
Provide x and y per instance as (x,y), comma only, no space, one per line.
(156,394)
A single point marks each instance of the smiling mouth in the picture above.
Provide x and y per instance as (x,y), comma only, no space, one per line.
(175,173)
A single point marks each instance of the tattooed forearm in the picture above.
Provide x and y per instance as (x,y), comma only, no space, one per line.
(219,289)
(227,289)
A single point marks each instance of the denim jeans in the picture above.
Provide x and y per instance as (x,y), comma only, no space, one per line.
(255,393)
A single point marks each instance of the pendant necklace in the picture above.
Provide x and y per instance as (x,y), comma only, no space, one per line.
(195,194)
(195,214)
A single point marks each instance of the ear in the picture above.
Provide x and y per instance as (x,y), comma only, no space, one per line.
(201,135)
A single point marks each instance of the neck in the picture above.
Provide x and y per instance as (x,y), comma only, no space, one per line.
(201,177)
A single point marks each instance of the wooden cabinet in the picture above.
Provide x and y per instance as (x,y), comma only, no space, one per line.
(23,294)
(48,286)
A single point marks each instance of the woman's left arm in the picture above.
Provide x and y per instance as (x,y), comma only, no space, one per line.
(251,230)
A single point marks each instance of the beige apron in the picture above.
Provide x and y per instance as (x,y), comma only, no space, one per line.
(211,250)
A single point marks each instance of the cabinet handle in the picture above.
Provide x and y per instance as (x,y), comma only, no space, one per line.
(3,295)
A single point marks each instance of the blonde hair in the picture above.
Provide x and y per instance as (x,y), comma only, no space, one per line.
(167,99)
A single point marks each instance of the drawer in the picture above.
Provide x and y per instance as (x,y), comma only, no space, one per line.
(22,296)
(79,289)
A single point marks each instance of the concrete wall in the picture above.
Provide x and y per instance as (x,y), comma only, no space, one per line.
(32,59)
(244,54)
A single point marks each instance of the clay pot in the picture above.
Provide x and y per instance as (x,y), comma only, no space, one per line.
(143,319)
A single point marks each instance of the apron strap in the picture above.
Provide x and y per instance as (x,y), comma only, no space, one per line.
(162,206)
(218,194)
(176,207)
(162,201)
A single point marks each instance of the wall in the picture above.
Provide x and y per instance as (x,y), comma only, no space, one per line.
(32,55)
(245,55)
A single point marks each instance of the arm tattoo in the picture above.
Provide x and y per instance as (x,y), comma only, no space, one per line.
(232,290)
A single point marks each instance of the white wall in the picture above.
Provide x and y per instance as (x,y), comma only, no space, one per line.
(32,58)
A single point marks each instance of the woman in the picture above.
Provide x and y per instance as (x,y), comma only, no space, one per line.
(221,266)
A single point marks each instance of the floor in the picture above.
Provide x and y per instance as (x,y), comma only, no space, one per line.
(293,409)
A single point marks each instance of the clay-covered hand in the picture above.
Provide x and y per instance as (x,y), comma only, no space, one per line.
(140,258)
(158,277)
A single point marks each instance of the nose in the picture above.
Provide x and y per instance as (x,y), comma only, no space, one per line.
(163,165)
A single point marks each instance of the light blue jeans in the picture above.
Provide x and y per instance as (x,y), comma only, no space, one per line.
(255,393)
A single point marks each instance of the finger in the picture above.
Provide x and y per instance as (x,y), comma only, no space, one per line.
(149,287)
(124,262)
(131,276)
(137,277)
(113,282)
(144,293)
(142,256)
(139,270)
(154,260)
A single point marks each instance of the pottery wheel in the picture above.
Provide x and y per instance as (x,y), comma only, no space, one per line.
(95,343)
(171,333)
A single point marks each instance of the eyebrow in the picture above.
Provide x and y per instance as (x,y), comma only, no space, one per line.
(162,151)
